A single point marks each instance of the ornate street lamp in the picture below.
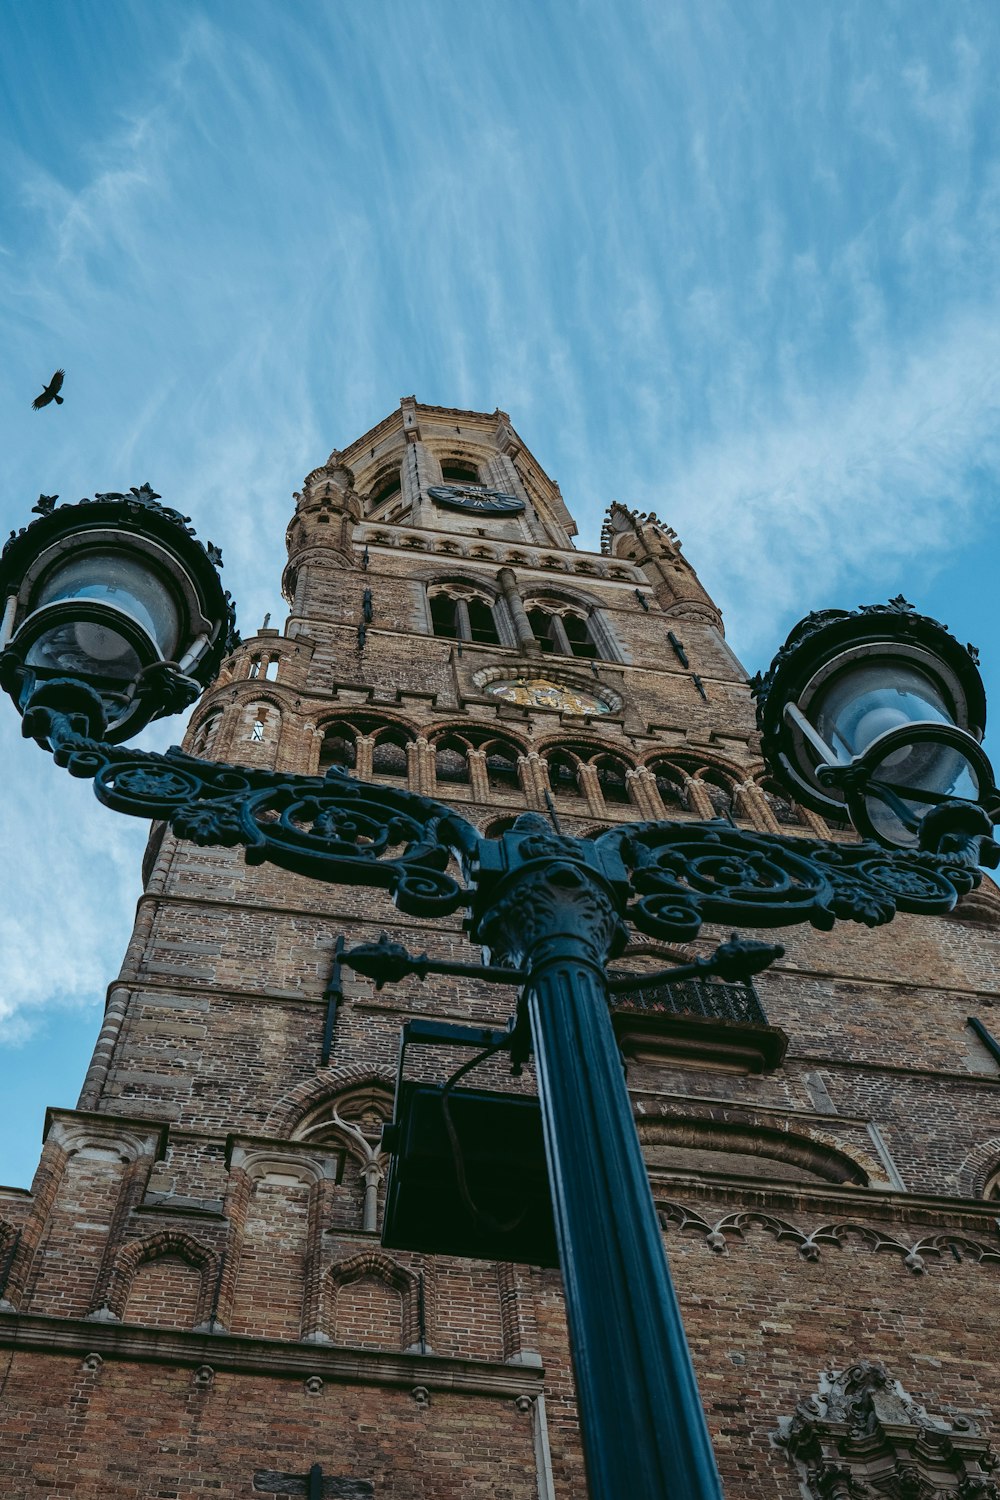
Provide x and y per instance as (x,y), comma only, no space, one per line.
(115,616)
(111,607)
(879,713)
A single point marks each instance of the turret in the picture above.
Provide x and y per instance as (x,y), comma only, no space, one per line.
(320,534)
(653,546)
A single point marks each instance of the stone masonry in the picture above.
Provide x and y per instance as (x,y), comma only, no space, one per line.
(194,1298)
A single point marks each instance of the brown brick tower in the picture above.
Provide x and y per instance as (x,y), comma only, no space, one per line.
(194,1298)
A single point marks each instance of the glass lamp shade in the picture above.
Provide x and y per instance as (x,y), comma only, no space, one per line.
(868,699)
(92,650)
(878,713)
(125,581)
(117,596)
(907,772)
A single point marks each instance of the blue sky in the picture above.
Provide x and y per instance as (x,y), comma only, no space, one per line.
(736,263)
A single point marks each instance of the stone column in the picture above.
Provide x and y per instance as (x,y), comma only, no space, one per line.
(320,1211)
(479,779)
(462,622)
(364,745)
(590,786)
(644,793)
(413,765)
(751,802)
(534,778)
(427,765)
(559,637)
(701,802)
(515,604)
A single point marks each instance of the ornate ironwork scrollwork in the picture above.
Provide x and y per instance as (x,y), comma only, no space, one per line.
(666,878)
(330,828)
(688,873)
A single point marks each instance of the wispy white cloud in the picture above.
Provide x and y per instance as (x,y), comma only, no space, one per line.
(736,265)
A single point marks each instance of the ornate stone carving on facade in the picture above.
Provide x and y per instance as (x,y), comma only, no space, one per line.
(862,1436)
(838,1235)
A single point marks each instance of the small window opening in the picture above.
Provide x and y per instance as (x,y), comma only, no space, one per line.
(613,784)
(337,749)
(389,758)
(578,633)
(451,762)
(541,628)
(457,472)
(501,770)
(444,616)
(482,624)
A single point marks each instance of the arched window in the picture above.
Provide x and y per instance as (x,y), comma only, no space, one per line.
(459,471)
(386,492)
(204,735)
(338,748)
(272,669)
(562,630)
(451,760)
(460,612)
(564,777)
(611,776)
(499,826)
(389,753)
(579,635)
(481,623)
(254,667)
(501,766)
(444,616)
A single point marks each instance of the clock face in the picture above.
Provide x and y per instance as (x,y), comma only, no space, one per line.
(539,692)
(476,499)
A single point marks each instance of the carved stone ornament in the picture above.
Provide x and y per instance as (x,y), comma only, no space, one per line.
(862,1436)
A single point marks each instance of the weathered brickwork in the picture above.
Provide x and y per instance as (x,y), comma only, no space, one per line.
(194,1297)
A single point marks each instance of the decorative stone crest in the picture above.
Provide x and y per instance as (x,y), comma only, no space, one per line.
(862,1436)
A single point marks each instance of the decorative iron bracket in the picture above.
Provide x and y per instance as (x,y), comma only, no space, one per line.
(665,879)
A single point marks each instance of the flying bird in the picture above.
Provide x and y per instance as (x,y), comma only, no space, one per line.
(51,392)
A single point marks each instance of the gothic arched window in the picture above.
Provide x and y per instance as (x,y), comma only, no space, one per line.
(562,630)
(460,612)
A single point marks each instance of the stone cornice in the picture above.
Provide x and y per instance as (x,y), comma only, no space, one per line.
(48,1335)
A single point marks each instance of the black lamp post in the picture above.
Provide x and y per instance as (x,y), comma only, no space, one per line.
(878,711)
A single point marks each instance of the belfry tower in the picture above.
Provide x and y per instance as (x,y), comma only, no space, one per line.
(194,1295)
